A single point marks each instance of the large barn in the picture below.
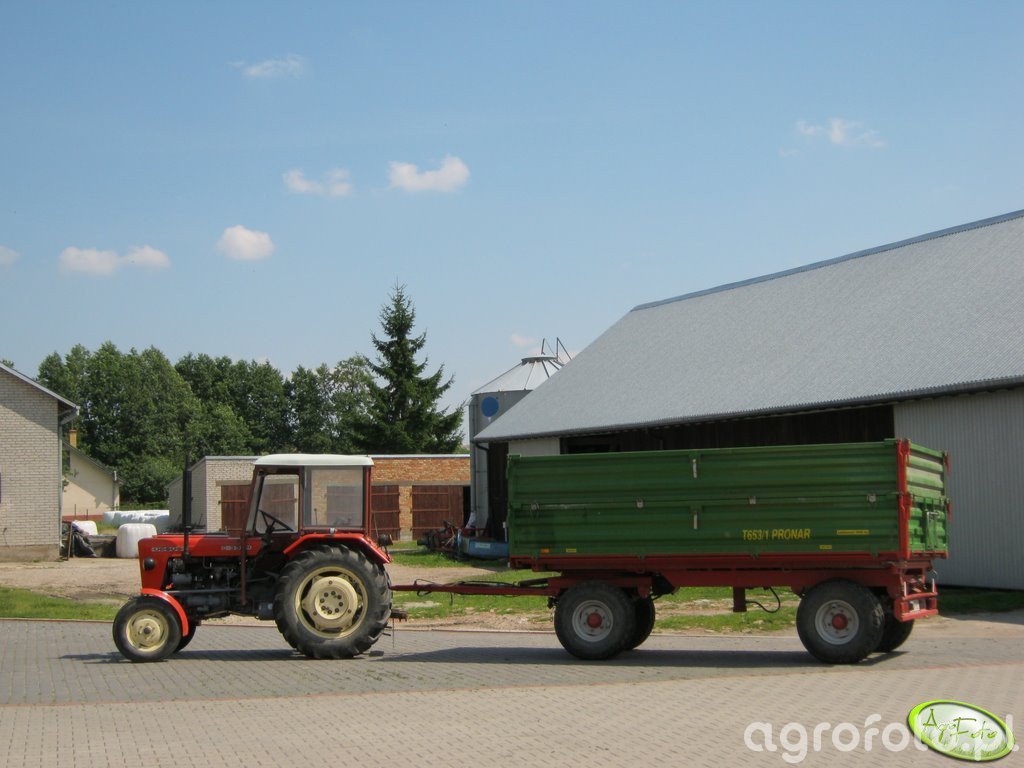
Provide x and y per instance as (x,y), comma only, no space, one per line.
(922,339)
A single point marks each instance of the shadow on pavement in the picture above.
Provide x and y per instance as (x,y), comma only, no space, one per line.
(275,654)
(742,659)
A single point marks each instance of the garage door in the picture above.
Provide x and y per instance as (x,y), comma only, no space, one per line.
(433,505)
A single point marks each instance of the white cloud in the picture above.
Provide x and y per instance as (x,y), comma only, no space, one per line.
(296,181)
(243,244)
(93,261)
(147,256)
(843,133)
(335,183)
(806,129)
(521,341)
(452,174)
(291,65)
(89,260)
(7,256)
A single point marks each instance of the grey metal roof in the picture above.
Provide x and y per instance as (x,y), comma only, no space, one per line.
(939,313)
(529,374)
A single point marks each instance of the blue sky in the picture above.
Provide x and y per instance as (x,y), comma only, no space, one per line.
(252,179)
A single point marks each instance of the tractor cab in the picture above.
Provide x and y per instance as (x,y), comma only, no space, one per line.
(305,493)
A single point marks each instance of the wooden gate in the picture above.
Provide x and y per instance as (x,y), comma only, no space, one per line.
(385,511)
(433,505)
(234,506)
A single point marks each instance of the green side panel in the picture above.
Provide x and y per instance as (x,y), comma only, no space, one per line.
(926,482)
(782,499)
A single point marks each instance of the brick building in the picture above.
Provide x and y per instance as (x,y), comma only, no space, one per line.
(30,467)
(411,494)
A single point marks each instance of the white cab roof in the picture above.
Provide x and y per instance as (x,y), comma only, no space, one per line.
(313,460)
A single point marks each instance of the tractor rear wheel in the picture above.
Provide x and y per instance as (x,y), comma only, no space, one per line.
(146,629)
(332,603)
(594,620)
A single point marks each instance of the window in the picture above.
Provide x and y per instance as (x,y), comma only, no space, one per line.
(335,498)
(278,497)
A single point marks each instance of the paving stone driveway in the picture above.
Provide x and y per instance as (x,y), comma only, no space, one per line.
(239,696)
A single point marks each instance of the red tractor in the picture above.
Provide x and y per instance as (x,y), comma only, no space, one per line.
(305,559)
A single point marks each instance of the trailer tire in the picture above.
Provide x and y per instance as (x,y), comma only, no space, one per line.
(594,620)
(146,629)
(643,611)
(840,621)
(332,603)
(894,633)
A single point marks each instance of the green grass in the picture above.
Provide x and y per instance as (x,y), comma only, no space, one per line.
(25,604)
(691,608)
(754,620)
(702,600)
(972,600)
(440,605)
(421,558)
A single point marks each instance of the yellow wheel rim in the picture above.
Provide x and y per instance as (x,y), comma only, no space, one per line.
(330,601)
(147,630)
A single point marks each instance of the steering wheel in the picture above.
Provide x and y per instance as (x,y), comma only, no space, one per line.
(273,523)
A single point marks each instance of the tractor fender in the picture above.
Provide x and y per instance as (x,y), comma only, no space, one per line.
(161,595)
(354,541)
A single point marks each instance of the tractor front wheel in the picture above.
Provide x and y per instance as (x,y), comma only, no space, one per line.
(332,603)
(193,625)
(146,629)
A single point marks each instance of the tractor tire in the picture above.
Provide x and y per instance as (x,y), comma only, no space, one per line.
(894,633)
(146,629)
(840,622)
(332,603)
(643,608)
(186,638)
(594,620)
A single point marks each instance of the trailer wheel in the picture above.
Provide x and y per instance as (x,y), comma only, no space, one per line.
(332,603)
(894,633)
(643,611)
(594,620)
(840,622)
(146,629)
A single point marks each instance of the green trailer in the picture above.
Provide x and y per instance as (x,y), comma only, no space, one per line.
(881,500)
(852,529)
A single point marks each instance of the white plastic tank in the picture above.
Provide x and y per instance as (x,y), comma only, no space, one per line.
(130,534)
(88,527)
(161,518)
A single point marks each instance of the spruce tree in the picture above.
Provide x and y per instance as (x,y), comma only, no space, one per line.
(403,415)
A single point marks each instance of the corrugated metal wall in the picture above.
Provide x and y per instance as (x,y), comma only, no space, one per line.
(984,435)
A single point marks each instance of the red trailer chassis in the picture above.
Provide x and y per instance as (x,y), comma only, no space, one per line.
(880,598)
